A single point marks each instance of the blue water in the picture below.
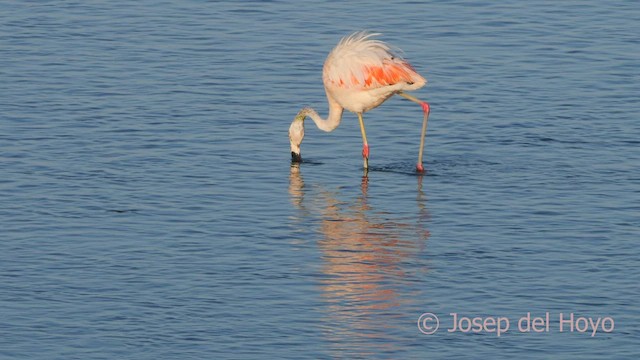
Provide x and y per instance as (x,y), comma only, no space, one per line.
(148,209)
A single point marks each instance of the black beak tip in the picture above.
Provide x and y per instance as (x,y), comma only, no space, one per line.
(295,157)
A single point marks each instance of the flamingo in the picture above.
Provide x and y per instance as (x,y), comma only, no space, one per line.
(359,74)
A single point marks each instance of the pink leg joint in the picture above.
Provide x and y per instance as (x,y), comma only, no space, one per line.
(425,107)
(365,151)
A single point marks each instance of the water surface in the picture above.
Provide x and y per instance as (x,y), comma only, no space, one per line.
(149,209)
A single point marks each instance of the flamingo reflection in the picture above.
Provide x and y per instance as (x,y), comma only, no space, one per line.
(371,262)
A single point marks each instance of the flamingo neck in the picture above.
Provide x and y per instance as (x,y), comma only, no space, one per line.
(329,124)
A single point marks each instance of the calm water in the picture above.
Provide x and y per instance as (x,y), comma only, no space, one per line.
(149,209)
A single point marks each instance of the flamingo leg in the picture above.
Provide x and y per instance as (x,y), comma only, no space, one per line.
(426,109)
(365,145)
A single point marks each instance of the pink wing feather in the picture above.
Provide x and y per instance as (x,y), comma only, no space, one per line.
(359,62)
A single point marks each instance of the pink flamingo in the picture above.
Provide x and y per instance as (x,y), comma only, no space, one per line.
(359,74)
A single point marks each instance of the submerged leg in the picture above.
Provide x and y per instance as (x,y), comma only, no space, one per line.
(426,109)
(365,145)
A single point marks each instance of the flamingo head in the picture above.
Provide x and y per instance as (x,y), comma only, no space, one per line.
(296,134)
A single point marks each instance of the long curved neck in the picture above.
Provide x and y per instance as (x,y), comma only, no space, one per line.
(296,130)
(329,124)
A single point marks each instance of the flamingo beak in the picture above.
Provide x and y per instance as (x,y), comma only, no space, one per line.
(295,157)
(295,151)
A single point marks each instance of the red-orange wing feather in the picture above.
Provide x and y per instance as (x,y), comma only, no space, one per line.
(391,72)
(360,62)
